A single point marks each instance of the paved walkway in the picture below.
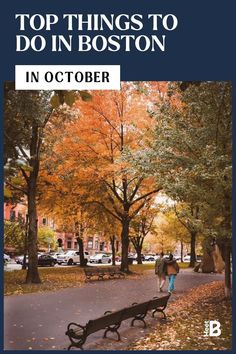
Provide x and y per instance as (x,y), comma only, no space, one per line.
(38,321)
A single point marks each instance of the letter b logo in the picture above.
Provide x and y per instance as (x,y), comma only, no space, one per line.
(214,329)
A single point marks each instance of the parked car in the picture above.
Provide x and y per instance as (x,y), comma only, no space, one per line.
(150,257)
(131,255)
(100,258)
(55,255)
(71,257)
(19,259)
(177,257)
(6,258)
(186,259)
(46,260)
(166,256)
(142,257)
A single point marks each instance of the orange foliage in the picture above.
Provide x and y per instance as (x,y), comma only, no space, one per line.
(92,157)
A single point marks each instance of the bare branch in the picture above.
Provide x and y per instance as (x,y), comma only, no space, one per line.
(146,195)
(180,220)
(26,177)
(16,188)
(104,207)
(138,184)
(113,189)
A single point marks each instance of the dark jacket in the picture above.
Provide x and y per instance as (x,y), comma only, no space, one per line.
(160,267)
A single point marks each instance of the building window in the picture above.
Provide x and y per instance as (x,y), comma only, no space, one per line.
(96,245)
(101,247)
(12,215)
(69,244)
(44,221)
(75,245)
(90,243)
(59,242)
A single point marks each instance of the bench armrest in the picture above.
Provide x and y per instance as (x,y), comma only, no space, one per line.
(69,329)
(107,312)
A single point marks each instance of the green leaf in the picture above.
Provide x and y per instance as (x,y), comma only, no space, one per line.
(85,95)
(26,168)
(7,192)
(16,180)
(69,98)
(55,101)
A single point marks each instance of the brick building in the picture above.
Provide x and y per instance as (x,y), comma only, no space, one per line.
(66,241)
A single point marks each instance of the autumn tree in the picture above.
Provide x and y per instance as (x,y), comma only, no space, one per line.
(26,114)
(193,144)
(141,226)
(163,239)
(110,228)
(189,216)
(14,235)
(46,238)
(176,224)
(57,200)
(93,149)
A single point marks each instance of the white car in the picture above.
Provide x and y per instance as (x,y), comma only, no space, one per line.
(56,254)
(100,258)
(186,259)
(150,257)
(71,257)
(6,258)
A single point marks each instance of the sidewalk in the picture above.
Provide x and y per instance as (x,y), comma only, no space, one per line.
(39,321)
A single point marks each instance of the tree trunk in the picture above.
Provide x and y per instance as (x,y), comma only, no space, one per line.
(227,225)
(139,258)
(32,275)
(32,272)
(138,245)
(192,251)
(83,261)
(125,245)
(25,242)
(112,240)
(227,271)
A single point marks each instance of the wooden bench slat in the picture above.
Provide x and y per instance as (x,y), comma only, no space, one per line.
(105,321)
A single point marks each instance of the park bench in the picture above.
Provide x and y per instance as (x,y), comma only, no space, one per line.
(100,273)
(111,321)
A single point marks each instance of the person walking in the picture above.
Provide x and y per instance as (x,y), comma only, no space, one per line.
(160,271)
(172,270)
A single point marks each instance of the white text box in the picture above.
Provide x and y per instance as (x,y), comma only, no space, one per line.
(67,77)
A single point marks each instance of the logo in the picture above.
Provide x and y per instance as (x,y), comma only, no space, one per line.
(212,329)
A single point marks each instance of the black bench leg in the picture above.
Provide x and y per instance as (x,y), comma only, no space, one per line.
(138,318)
(112,329)
(79,341)
(73,345)
(158,310)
